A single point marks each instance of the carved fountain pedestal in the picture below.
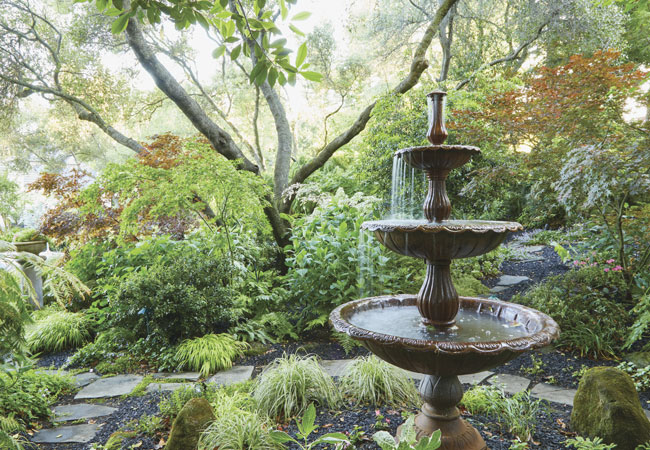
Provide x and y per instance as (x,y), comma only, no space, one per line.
(438,333)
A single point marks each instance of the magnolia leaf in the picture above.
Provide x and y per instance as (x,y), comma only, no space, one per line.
(301,16)
(296,30)
(218,52)
(119,25)
(311,76)
(302,54)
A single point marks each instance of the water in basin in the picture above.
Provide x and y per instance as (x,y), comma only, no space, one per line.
(406,322)
(453,224)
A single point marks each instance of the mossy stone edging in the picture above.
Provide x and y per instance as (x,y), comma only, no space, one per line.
(607,405)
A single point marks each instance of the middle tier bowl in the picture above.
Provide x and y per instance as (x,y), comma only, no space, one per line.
(450,239)
(488,333)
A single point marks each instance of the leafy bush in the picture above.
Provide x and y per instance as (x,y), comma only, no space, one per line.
(407,439)
(373,381)
(210,353)
(517,413)
(306,426)
(55,330)
(289,384)
(107,346)
(9,439)
(27,395)
(171,406)
(583,303)
(324,255)
(188,297)
(640,375)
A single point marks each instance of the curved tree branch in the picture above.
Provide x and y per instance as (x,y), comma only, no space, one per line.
(418,66)
(218,138)
(511,57)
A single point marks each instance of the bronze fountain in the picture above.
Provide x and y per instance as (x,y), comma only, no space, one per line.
(438,333)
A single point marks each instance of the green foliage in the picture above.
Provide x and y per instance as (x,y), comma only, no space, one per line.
(56,329)
(9,439)
(289,384)
(407,439)
(641,322)
(209,353)
(640,375)
(171,406)
(483,266)
(584,303)
(307,426)
(279,325)
(109,345)
(237,425)
(187,297)
(26,395)
(28,234)
(324,255)
(346,342)
(11,204)
(149,425)
(518,414)
(126,363)
(373,381)
(251,331)
(580,443)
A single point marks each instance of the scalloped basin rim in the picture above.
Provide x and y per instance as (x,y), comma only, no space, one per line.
(442,147)
(543,329)
(452,226)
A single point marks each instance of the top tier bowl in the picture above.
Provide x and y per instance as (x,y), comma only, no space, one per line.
(438,157)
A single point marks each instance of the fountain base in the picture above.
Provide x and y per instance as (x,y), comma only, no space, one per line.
(439,412)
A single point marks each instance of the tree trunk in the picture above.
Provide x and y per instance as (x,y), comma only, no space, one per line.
(446,38)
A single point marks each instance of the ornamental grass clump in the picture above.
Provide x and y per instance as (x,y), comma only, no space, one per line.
(289,384)
(55,330)
(210,353)
(373,381)
(237,425)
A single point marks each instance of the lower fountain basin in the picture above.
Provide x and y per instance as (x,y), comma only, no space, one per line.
(446,240)
(488,333)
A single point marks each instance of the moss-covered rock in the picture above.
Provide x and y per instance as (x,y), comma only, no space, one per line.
(192,419)
(607,405)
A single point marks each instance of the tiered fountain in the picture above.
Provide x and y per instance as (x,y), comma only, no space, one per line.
(438,333)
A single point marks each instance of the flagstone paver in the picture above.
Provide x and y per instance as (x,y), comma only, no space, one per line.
(475,378)
(189,376)
(335,367)
(166,387)
(235,375)
(511,280)
(553,393)
(84,379)
(66,413)
(497,289)
(511,384)
(72,433)
(110,387)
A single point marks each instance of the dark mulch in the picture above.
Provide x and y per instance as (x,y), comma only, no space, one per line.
(325,349)
(535,270)
(131,408)
(55,360)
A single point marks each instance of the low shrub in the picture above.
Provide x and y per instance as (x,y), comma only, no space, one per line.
(518,414)
(188,297)
(210,353)
(640,375)
(171,406)
(107,346)
(55,330)
(289,384)
(580,443)
(584,303)
(373,381)
(27,395)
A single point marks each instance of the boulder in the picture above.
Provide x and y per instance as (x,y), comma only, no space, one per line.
(607,405)
(192,419)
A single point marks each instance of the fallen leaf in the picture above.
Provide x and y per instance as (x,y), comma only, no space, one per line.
(137,445)
(59,435)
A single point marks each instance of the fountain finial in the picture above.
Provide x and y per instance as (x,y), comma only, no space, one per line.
(437,132)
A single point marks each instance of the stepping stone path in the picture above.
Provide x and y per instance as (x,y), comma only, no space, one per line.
(110,387)
(81,380)
(508,281)
(67,413)
(124,384)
